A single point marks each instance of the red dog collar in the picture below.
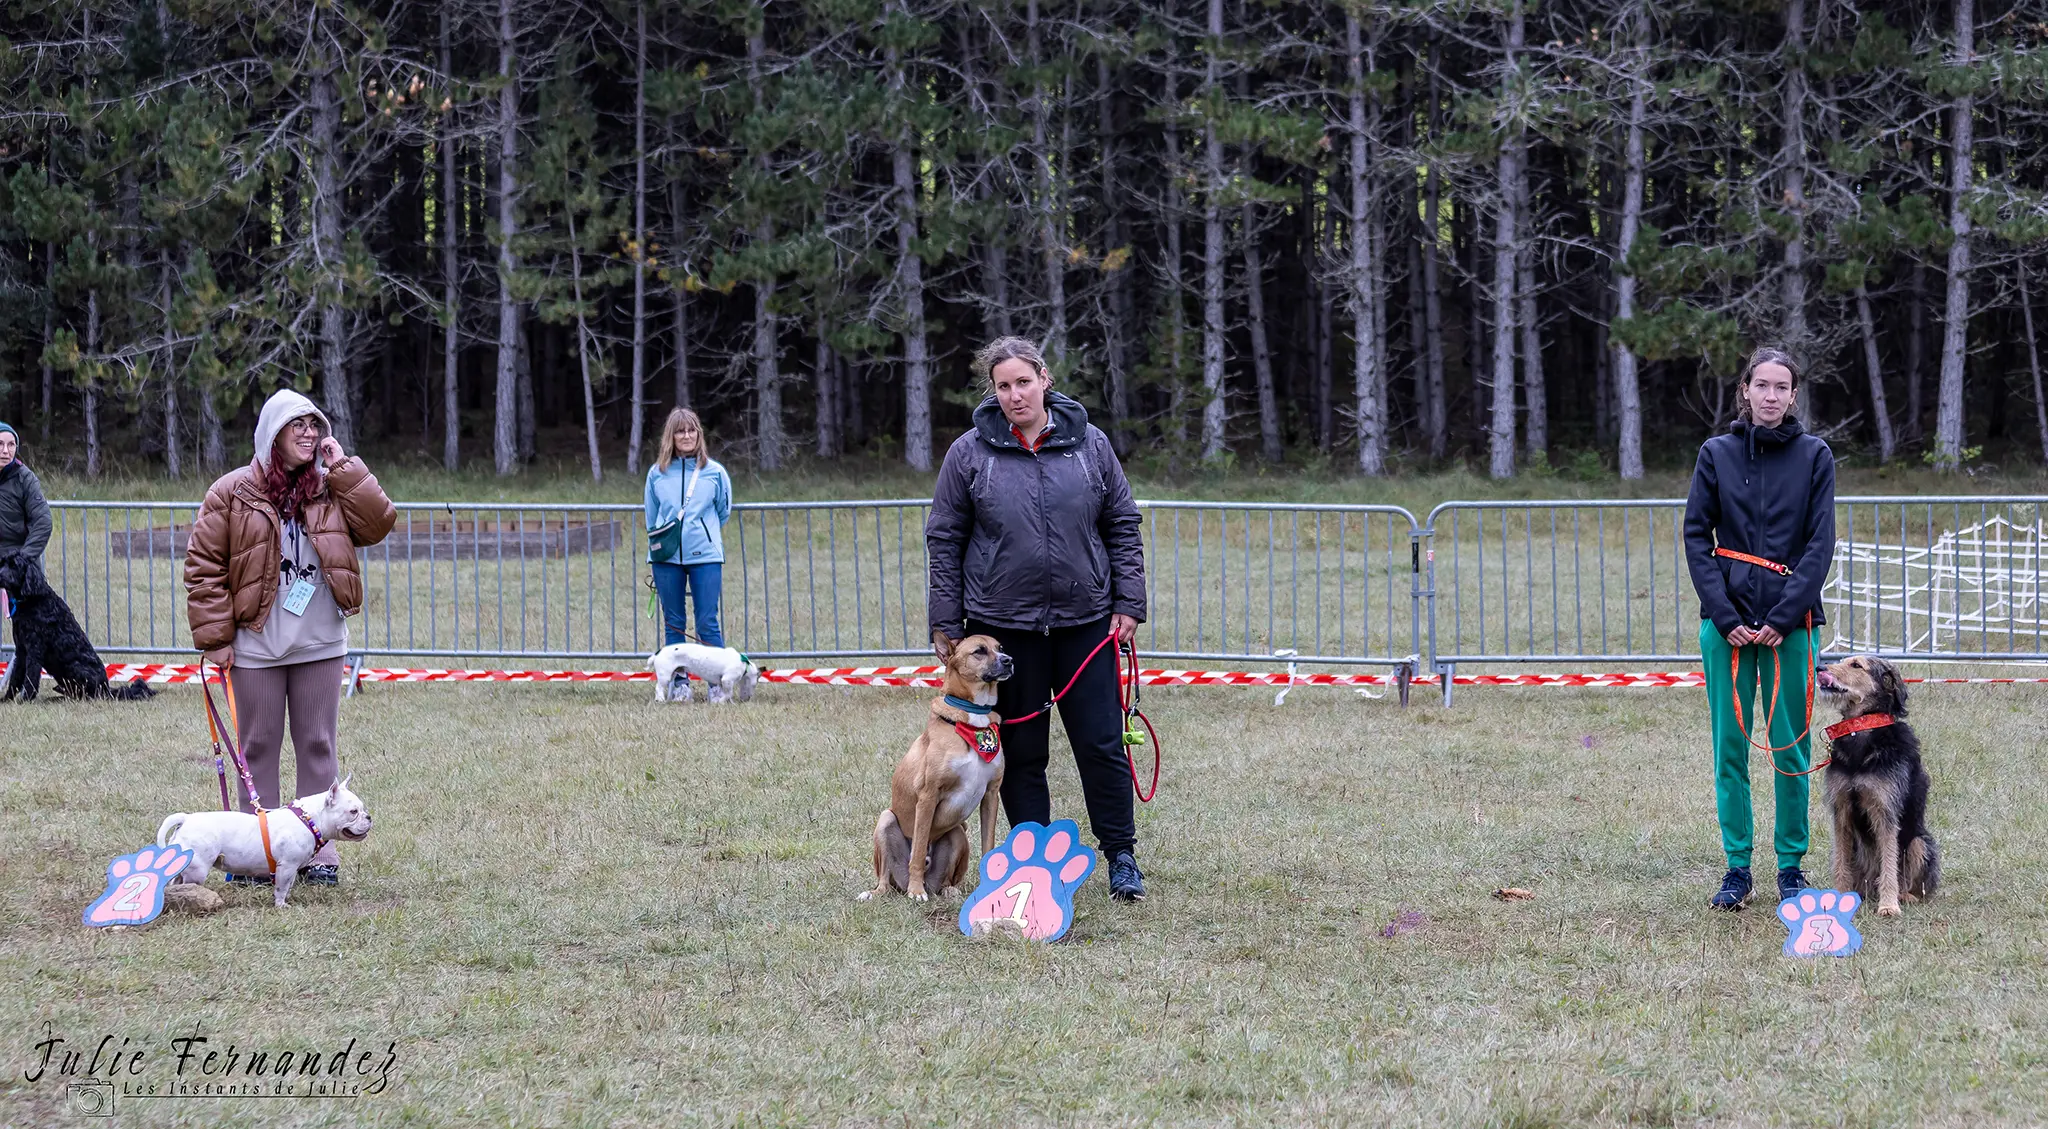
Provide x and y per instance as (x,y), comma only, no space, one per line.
(987,741)
(1842,729)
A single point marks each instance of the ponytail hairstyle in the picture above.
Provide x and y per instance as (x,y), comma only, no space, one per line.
(1003,349)
(1763,356)
(667,446)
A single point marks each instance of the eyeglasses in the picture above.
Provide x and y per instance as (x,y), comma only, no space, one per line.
(312,425)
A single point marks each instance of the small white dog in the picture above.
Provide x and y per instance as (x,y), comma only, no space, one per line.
(727,674)
(233,837)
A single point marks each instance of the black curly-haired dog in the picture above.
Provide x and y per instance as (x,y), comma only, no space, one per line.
(1877,787)
(47,637)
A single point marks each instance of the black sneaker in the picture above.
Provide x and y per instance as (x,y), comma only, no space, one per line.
(1735,888)
(247,879)
(321,874)
(1126,884)
(1791,880)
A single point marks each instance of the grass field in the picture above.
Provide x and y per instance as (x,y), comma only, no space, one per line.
(579,908)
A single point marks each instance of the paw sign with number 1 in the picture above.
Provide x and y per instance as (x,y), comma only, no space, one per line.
(1027,884)
(135,886)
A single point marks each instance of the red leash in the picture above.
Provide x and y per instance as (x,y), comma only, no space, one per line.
(1127,700)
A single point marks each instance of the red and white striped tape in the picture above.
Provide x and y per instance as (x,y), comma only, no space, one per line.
(169,673)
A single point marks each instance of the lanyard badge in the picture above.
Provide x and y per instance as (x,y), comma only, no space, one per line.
(299,579)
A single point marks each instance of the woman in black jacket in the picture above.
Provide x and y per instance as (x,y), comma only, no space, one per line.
(1034,539)
(1759,539)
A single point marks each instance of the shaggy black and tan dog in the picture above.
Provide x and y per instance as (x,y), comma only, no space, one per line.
(1877,788)
(47,637)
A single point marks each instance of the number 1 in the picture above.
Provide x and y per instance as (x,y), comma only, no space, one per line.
(1017,910)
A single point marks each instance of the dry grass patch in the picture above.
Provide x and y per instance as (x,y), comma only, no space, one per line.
(579,908)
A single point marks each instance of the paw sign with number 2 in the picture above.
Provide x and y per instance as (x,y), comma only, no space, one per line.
(1027,884)
(135,886)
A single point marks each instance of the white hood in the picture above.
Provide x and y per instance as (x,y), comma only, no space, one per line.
(282,408)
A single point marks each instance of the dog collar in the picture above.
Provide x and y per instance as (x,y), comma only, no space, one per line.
(319,840)
(971,709)
(985,740)
(1842,729)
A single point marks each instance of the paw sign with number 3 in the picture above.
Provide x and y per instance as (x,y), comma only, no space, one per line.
(1027,884)
(135,886)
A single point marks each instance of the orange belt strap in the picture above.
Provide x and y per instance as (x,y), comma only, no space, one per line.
(1759,562)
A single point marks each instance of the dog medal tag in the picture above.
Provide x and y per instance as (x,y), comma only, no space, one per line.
(300,594)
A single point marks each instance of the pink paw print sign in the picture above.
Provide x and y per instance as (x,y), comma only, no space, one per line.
(135,886)
(1028,883)
(1819,921)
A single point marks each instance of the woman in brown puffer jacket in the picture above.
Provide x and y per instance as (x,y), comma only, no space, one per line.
(269,576)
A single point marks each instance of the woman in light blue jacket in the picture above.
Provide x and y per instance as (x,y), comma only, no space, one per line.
(688,499)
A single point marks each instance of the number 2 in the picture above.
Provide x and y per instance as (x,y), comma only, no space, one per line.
(131,889)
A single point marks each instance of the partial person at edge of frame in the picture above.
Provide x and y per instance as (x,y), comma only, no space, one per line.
(1034,539)
(270,578)
(689,499)
(1763,491)
(24,514)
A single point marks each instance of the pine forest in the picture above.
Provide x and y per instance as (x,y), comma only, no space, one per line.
(1373,235)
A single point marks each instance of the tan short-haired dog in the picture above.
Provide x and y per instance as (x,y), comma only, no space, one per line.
(954,766)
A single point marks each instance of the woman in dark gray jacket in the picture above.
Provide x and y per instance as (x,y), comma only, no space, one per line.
(1034,539)
(1759,539)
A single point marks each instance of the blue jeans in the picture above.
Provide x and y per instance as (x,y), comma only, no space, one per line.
(702,583)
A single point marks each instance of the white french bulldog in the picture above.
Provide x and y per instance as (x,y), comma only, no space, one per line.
(234,839)
(727,674)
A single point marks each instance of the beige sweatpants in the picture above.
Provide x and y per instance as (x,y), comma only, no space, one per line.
(311,694)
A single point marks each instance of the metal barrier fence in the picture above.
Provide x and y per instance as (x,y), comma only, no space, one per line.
(1913,577)
(1593,582)
(1334,584)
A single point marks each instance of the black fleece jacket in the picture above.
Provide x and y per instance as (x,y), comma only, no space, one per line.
(1033,540)
(1768,492)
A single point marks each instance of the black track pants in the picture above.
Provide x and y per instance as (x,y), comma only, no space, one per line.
(1091,715)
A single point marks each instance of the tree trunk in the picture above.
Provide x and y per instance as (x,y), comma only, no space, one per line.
(1507,227)
(529,419)
(49,335)
(1115,345)
(1794,158)
(768,440)
(1955,330)
(91,394)
(1176,285)
(336,387)
(1262,354)
(1213,388)
(173,442)
(451,276)
(823,378)
(679,294)
(1323,238)
(917,377)
(1053,254)
(1916,349)
(637,431)
(583,339)
(505,432)
(2034,361)
(213,447)
(1879,412)
(1628,400)
(1435,419)
(1368,379)
(1535,389)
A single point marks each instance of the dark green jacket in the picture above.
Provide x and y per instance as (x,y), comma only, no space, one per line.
(24,515)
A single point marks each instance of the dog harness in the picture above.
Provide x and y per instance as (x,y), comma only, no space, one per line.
(1842,729)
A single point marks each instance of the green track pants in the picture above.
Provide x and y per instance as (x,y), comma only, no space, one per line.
(1732,749)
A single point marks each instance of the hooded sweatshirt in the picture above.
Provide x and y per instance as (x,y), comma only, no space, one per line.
(1768,492)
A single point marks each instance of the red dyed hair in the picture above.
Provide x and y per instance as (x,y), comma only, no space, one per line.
(291,490)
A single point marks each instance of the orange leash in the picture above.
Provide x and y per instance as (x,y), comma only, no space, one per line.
(1770,708)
